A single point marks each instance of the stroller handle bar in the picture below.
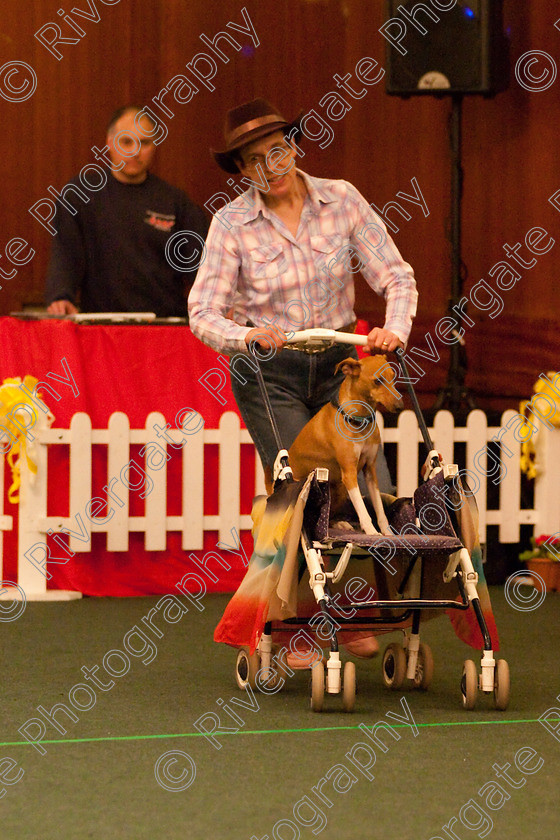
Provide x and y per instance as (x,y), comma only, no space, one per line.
(319,336)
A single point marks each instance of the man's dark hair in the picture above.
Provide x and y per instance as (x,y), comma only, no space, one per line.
(120,112)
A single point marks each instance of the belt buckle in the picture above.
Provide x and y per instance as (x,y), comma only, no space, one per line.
(310,351)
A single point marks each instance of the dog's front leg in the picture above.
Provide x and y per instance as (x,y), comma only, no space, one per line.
(350,481)
(375,496)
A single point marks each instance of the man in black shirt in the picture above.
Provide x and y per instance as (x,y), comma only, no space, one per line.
(113,251)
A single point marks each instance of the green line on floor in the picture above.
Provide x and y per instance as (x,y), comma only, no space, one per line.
(259,732)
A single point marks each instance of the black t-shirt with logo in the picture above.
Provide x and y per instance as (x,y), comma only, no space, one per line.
(111,255)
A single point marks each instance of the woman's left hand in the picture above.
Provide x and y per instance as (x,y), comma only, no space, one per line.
(382,341)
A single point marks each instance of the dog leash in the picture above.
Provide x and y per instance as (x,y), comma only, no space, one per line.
(282,463)
(428,443)
(268,407)
(265,398)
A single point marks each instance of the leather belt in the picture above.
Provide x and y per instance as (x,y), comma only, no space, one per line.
(301,348)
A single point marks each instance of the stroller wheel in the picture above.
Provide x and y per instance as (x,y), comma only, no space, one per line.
(424,667)
(501,685)
(469,684)
(317,686)
(246,668)
(349,687)
(394,665)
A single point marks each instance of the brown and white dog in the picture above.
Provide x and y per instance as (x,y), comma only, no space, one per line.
(345,438)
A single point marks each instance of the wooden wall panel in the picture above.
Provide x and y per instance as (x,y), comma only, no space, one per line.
(510,160)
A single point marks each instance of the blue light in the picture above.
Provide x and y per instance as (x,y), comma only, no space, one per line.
(468,12)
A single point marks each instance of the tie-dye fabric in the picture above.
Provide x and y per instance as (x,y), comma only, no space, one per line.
(269,590)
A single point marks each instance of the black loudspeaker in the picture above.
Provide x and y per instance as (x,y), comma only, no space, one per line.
(445,47)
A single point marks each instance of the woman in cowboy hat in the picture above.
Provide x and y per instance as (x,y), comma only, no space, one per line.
(281,257)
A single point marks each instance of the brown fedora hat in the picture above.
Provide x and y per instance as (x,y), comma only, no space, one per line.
(249,122)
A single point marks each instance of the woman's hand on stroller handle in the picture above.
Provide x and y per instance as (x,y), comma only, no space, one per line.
(377,341)
(266,338)
(380,340)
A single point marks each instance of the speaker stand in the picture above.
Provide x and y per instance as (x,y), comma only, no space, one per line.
(455,396)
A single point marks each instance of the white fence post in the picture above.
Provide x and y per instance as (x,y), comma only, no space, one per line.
(32,541)
(118,455)
(80,481)
(407,453)
(193,493)
(510,486)
(444,435)
(32,537)
(477,437)
(156,499)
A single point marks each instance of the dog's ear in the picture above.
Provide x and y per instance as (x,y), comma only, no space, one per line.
(349,367)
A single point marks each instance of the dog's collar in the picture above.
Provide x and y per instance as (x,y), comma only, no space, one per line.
(357,420)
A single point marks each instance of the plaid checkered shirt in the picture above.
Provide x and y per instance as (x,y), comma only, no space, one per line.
(255,271)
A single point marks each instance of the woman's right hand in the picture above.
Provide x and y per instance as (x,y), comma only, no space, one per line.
(266,339)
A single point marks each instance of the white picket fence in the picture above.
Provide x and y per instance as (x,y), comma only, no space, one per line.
(192,522)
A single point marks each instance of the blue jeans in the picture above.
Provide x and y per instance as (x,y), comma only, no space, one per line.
(298,384)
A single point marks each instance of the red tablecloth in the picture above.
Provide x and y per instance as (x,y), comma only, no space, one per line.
(135,369)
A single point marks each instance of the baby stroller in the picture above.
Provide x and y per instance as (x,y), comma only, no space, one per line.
(430,563)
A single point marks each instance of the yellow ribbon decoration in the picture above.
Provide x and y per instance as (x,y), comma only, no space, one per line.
(541,386)
(12,396)
(528,452)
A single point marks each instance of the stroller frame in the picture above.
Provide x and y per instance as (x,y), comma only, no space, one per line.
(412,661)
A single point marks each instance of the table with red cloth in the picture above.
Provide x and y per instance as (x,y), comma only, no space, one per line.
(136,369)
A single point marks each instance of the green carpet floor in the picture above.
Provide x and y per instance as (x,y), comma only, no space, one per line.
(98,779)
